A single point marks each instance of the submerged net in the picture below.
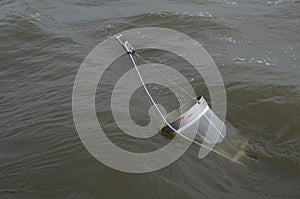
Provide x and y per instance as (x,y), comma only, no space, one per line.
(211,131)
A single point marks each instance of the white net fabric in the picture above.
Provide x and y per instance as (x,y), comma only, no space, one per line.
(210,128)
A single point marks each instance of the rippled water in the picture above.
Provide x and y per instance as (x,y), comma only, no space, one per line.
(255,44)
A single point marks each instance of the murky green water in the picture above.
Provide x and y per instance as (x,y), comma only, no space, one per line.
(255,44)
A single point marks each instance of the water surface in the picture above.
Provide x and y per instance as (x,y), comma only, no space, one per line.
(255,44)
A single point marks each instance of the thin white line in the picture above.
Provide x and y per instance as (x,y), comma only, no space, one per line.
(173,82)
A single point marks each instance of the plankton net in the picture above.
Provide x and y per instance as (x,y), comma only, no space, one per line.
(196,112)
